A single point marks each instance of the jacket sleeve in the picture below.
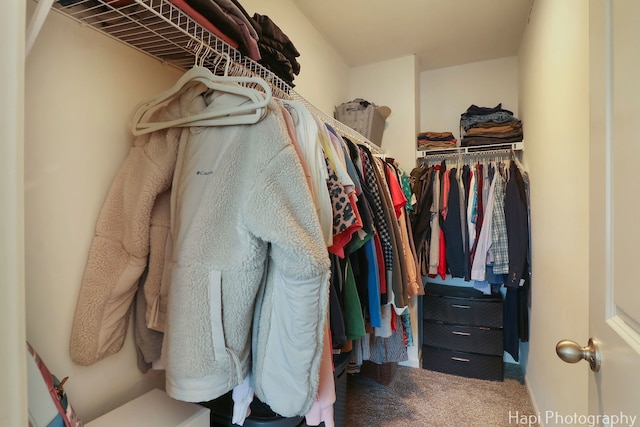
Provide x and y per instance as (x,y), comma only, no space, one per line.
(290,315)
(516,218)
(120,248)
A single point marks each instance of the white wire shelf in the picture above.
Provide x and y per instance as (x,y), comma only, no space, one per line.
(490,149)
(164,31)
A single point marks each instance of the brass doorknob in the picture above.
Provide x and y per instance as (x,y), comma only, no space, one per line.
(572,352)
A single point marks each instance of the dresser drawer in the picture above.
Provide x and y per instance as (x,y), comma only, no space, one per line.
(465,306)
(473,339)
(468,365)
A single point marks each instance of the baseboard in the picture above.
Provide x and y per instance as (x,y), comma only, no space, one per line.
(533,401)
(410,363)
(414,354)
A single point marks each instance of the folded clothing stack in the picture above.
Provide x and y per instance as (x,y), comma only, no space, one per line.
(256,37)
(486,125)
(230,18)
(277,52)
(436,140)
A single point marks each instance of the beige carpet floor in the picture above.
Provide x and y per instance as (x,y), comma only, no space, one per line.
(418,397)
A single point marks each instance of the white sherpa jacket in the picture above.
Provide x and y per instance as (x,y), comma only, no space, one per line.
(249,268)
(130,234)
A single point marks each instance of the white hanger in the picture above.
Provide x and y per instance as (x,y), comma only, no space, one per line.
(519,164)
(247,113)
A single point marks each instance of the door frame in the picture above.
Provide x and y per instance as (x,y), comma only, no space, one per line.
(13,405)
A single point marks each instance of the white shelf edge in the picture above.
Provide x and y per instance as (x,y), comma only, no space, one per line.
(476,149)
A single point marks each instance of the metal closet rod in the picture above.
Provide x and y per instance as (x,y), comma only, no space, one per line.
(477,154)
(476,150)
(470,156)
(164,31)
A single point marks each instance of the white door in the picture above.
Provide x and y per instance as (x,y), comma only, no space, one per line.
(13,401)
(614,240)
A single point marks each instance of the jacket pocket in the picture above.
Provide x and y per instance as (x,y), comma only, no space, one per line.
(215,315)
(220,350)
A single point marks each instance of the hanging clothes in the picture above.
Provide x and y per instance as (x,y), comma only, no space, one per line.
(240,253)
(397,294)
(279,230)
(444,200)
(499,239)
(128,236)
(480,194)
(228,252)
(451,226)
(517,226)
(485,224)
(434,244)
(422,178)
(414,284)
(307,135)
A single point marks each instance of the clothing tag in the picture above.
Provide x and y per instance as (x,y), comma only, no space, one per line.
(521,282)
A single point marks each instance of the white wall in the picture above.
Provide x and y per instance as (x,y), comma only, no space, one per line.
(80,90)
(554,105)
(393,84)
(13,404)
(446,93)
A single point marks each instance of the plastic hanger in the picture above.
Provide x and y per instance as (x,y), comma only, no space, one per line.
(519,164)
(246,113)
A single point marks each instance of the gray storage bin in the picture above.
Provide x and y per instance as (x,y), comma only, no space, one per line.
(364,117)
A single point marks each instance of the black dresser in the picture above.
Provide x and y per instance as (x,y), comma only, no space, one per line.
(462,332)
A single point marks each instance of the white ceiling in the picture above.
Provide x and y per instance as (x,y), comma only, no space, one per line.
(442,33)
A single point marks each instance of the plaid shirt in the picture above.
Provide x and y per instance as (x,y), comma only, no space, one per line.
(377,206)
(500,245)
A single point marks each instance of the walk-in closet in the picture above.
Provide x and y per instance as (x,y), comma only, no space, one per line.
(298,213)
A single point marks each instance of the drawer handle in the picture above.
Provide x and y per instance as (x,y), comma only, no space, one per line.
(460,359)
(460,306)
(466,334)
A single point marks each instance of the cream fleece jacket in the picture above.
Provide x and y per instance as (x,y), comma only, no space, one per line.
(129,237)
(249,271)
(249,268)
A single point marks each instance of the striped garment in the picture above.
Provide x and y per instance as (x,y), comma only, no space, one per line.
(500,245)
